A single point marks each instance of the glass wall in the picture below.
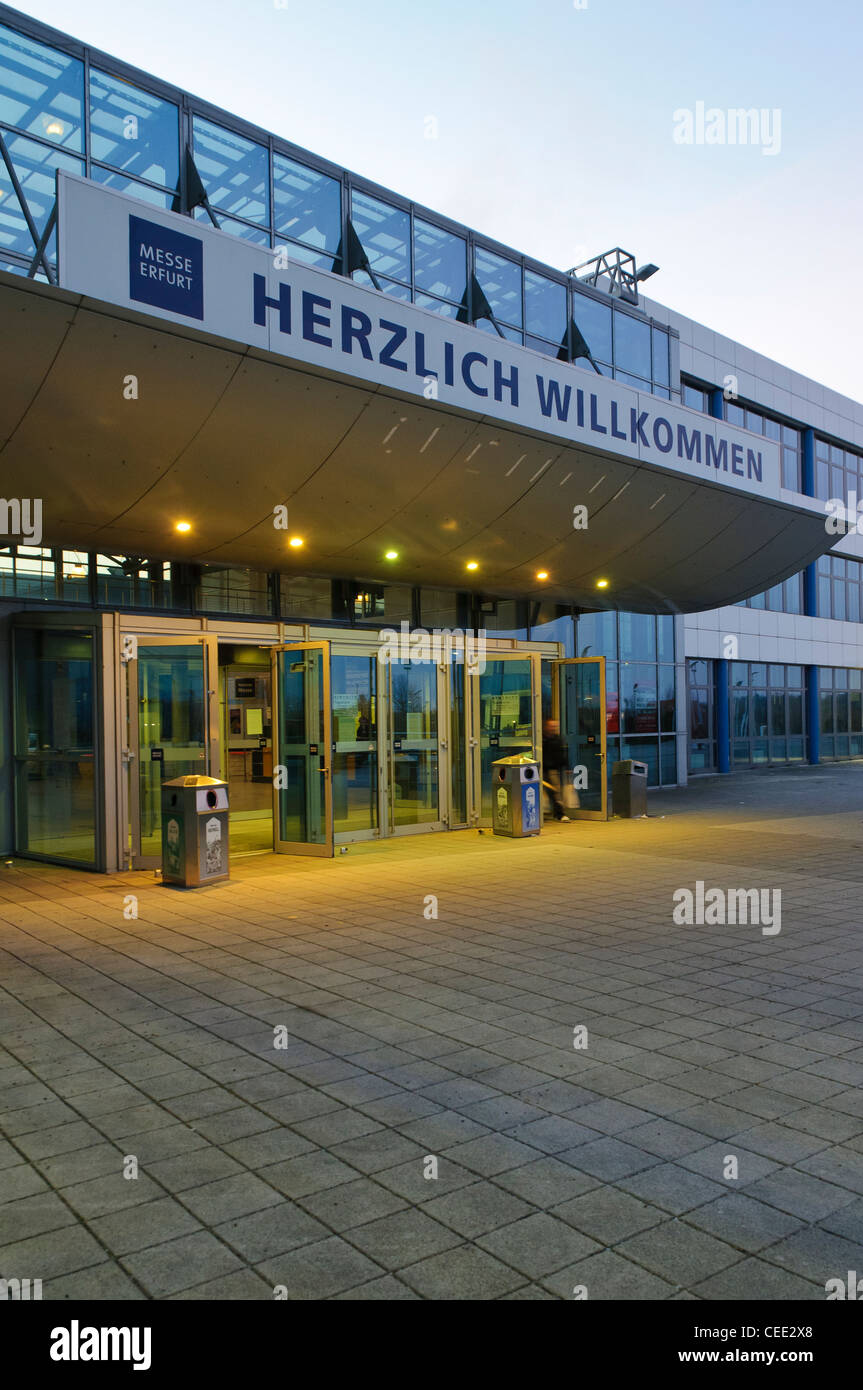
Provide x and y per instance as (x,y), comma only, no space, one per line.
(838,472)
(275,196)
(702,715)
(640,685)
(840,588)
(766,712)
(786,597)
(840,712)
(56,793)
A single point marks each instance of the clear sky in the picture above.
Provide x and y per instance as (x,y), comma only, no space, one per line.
(555,132)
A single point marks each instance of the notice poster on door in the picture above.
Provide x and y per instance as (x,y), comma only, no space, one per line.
(254,723)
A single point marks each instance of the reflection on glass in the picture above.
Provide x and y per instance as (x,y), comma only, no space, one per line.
(638,691)
(355,759)
(307,204)
(302,810)
(500,282)
(414,748)
(171,733)
(440,262)
(580,704)
(505,724)
(234,171)
(631,344)
(597,635)
(55,793)
(458,745)
(41,90)
(593,321)
(384,231)
(35,166)
(133,130)
(544,307)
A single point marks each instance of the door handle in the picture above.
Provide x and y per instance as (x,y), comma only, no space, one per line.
(324,771)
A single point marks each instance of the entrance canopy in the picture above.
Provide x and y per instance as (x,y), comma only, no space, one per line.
(125,421)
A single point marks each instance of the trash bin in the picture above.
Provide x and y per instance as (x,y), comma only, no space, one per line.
(515,796)
(629,788)
(194,831)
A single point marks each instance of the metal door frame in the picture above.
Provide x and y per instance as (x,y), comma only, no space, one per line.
(325,849)
(580,814)
(472,720)
(132,750)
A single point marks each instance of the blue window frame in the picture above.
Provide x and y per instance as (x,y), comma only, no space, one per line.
(307,205)
(134,131)
(234,171)
(41,90)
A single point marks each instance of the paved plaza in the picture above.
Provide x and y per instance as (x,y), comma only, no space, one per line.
(439,1125)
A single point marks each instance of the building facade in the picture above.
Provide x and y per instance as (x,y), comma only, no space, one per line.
(286,430)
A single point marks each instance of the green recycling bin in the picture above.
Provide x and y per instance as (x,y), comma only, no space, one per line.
(516,796)
(194,831)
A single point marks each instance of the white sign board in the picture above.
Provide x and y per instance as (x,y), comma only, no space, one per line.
(125,252)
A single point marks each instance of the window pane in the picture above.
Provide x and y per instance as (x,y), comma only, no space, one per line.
(500,281)
(385,234)
(638,636)
(307,204)
(693,397)
(596,635)
(440,261)
(132,188)
(631,344)
(233,591)
(660,357)
(305,598)
(667,710)
(41,90)
(133,130)
(35,165)
(437,306)
(638,703)
(234,171)
(544,307)
(593,321)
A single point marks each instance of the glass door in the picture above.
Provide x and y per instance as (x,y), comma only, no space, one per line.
(579,707)
(57,804)
(504,704)
(173,729)
(410,755)
(302,780)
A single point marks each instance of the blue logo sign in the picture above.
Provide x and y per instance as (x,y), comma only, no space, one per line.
(166,268)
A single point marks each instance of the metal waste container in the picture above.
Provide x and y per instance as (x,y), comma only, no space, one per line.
(629,788)
(194,831)
(515,796)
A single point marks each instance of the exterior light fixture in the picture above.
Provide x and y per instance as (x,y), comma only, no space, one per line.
(183,526)
(472,565)
(602,583)
(391,555)
(542,574)
(295,542)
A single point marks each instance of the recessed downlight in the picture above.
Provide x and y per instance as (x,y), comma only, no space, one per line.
(602,583)
(183,526)
(472,565)
(295,542)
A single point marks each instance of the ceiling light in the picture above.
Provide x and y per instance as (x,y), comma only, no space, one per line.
(295,542)
(53,127)
(602,583)
(391,555)
(183,526)
(542,574)
(472,565)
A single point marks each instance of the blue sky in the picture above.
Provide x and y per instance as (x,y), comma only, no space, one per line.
(555,132)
